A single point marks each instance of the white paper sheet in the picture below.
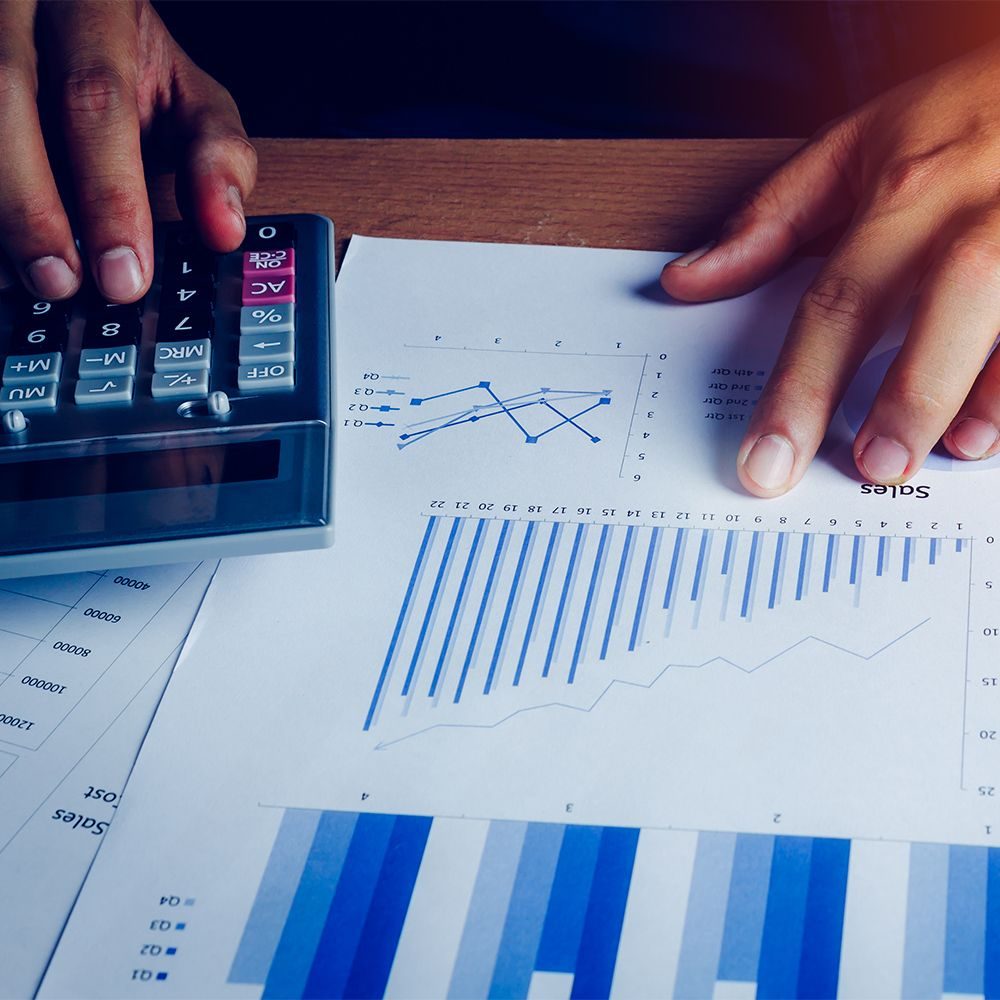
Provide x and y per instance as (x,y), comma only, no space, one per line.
(549,603)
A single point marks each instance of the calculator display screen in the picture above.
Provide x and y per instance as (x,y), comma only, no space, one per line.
(130,472)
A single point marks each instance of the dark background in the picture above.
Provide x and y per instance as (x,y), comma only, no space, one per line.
(480,69)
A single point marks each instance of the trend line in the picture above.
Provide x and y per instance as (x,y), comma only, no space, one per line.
(619,682)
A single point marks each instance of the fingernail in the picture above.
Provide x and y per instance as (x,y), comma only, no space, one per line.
(974,437)
(119,274)
(52,277)
(884,460)
(770,462)
(235,202)
(686,260)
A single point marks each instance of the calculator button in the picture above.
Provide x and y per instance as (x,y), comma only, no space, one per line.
(189,383)
(104,391)
(267,319)
(263,236)
(39,339)
(177,355)
(266,346)
(29,397)
(110,326)
(184,266)
(107,361)
(278,375)
(184,325)
(188,295)
(281,261)
(40,313)
(24,369)
(268,289)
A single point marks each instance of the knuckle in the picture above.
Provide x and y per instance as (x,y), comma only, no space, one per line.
(37,215)
(920,395)
(96,90)
(973,260)
(835,301)
(906,179)
(800,385)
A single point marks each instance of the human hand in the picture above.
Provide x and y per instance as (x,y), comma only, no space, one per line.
(917,174)
(121,91)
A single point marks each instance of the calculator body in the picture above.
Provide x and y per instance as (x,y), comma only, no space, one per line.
(219,442)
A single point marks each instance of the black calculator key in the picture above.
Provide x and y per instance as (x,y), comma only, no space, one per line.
(269,234)
(38,337)
(195,293)
(40,313)
(187,265)
(184,324)
(112,326)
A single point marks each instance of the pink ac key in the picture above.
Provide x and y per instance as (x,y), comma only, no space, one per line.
(260,262)
(268,289)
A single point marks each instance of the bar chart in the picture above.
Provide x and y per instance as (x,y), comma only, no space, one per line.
(499,615)
(367,905)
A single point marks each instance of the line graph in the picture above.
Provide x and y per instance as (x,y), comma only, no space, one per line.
(534,414)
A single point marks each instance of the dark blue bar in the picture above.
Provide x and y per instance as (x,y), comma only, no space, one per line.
(537,602)
(781,942)
(907,544)
(564,597)
(819,967)
(933,551)
(776,572)
(881,555)
(582,633)
(483,607)
(675,559)
(751,569)
(991,965)
(727,556)
(511,598)
(855,551)
(401,620)
(828,571)
(619,587)
(459,604)
(564,918)
(701,563)
(803,562)
(349,909)
(958,544)
(384,924)
(640,606)
(456,524)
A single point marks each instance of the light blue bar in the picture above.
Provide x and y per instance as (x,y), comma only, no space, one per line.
(640,607)
(860,575)
(595,576)
(751,573)
(958,544)
(487,916)
(621,581)
(882,553)
(701,942)
(702,549)
(907,550)
(803,556)
(564,597)
(926,927)
(932,555)
(965,943)
(746,908)
(727,556)
(529,903)
(776,570)
(515,589)
(700,598)
(274,896)
(538,602)
(680,540)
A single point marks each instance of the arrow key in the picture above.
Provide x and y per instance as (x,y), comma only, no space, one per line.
(266,346)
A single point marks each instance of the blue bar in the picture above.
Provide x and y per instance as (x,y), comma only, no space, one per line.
(776,571)
(933,551)
(728,554)
(484,925)
(619,589)
(536,604)
(675,560)
(602,926)
(526,913)
(342,931)
(803,556)
(564,918)
(404,613)
(508,610)
(696,585)
(784,919)
(958,544)
(819,967)
(855,549)
(274,896)
(744,924)
(594,576)
(881,555)
(907,544)
(567,588)
(484,605)
(828,571)
(926,907)
(383,926)
(640,606)
(701,942)
(991,971)
(303,929)
(751,571)
(456,527)
(965,944)
(459,608)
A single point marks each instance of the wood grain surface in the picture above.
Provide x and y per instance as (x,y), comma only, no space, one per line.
(640,194)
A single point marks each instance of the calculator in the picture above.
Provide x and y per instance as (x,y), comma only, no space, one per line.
(196,423)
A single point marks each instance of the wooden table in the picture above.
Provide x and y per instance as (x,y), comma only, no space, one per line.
(640,194)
